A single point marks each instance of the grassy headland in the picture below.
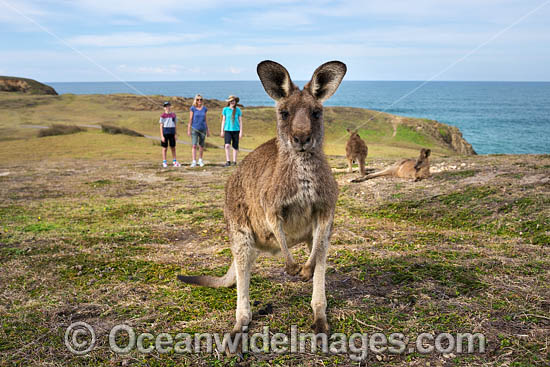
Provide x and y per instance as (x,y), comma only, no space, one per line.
(386,135)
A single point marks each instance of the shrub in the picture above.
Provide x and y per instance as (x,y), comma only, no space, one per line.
(57,129)
(111,129)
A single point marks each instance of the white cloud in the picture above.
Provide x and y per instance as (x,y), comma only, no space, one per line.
(132,39)
(283,19)
(20,13)
(169,69)
(167,10)
(235,70)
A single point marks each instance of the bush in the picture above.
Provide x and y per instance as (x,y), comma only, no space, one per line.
(57,129)
(111,129)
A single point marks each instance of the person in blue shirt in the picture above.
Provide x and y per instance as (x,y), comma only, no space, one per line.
(231,128)
(197,129)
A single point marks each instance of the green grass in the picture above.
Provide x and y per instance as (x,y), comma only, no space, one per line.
(407,135)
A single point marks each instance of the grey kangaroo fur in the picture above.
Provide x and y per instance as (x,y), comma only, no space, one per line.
(283,193)
(356,150)
(417,170)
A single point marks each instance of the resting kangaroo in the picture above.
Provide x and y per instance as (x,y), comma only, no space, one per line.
(407,168)
(356,150)
(283,193)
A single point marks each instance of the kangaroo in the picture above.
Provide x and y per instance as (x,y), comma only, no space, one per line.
(283,193)
(407,168)
(356,150)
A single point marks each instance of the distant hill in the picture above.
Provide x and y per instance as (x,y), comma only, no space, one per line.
(24,85)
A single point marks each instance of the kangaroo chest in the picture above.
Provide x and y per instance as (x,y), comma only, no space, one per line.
(304,189)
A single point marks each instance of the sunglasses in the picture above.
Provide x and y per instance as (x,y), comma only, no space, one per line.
(199,99)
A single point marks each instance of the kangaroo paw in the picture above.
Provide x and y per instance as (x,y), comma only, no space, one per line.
(292,269)
(306,273)
(320,326)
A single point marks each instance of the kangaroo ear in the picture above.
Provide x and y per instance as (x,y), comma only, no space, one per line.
(326,79)
(275,79)
(428,152)
(348,130)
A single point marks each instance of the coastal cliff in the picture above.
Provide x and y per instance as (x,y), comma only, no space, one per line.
(24,85)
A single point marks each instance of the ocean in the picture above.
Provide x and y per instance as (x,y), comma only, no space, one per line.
(495,117)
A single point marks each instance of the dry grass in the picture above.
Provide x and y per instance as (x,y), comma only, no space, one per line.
(95,240)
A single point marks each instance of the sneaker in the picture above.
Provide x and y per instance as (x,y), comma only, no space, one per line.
(177,164)
(193,164)
(164,164)
(201,163)
(227,164)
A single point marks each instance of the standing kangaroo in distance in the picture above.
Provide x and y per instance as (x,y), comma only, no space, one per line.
(356,150)
(283,193)
(407,168)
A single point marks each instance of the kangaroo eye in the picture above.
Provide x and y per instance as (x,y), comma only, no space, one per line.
(316,114)
(284,114)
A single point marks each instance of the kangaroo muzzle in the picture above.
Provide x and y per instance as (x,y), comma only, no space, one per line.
(301,132)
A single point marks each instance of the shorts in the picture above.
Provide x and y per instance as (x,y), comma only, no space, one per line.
(168,138)
(198,137)
(232,137)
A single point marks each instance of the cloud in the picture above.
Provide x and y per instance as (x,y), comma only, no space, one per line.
(132,39)
(17,13)
(283,19)
(167,10)
(169,69)
(235,70)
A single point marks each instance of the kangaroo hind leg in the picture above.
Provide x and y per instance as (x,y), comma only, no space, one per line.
(244,256)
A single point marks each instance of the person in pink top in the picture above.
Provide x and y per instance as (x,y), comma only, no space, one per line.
(168,133)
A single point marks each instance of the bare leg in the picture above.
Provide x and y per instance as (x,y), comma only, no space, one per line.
(227,152)
(164,153)
(194,152)
(201,150)
(173,149)
(235,151)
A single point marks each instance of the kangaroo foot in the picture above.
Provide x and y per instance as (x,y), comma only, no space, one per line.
(306,273)
(320,325)
(292,268)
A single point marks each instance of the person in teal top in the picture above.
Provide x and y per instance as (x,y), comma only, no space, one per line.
(231,128)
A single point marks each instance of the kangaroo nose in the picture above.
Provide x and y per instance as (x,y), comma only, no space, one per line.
(302,139)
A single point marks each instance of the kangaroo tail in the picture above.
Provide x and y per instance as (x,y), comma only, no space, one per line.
(386,172)
(227,280)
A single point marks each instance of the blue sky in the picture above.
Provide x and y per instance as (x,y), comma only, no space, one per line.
(224,40)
